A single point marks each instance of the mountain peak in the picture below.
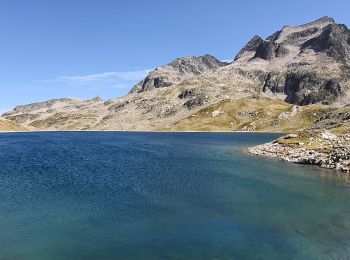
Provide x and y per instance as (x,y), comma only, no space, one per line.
(319,35)
(178,70)
(324,19)
(252,45)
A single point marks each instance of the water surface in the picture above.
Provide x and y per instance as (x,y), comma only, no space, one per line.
(115,195)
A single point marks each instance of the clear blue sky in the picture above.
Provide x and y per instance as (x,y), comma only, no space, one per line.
(86,48)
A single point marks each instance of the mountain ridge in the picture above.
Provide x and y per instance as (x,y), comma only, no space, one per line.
(302,65)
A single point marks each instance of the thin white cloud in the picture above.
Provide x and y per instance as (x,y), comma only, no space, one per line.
(111,79)
(227,60)
(120,85)
(124,75)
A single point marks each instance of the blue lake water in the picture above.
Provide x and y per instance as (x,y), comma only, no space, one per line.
(117,195)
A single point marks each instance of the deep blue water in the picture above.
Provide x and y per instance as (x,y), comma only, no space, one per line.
(116,195)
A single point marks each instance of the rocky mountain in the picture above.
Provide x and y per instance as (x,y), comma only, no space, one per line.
(308,63)
(305,67)
(177,71)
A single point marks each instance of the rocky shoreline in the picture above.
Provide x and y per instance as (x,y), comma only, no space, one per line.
(326,150)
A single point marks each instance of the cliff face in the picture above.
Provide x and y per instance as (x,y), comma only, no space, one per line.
(301,65)
(251,46)
(308,63)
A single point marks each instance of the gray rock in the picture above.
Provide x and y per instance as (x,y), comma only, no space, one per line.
(252,45)
(334,40)
(303,88)
(198,100)
(187,93)
(177,71)
(267,50)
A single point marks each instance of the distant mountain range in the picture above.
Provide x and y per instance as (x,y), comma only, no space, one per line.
(265,88)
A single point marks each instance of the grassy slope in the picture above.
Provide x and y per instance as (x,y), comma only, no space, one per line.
(336,122)
(247,114)
(64,121)
(263,114)
(7,125)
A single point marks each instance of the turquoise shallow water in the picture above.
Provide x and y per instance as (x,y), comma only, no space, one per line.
(118,195)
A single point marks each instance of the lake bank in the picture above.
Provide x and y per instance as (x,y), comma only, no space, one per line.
(325,144)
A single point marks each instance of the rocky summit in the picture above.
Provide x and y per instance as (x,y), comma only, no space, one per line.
(307,64)
(292,80)
(177,71)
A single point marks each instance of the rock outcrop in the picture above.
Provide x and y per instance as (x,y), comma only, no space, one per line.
(267,50)
(325,143)
(336,156)
(252,45)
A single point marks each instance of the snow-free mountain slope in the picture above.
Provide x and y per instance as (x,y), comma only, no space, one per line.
(300,65)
